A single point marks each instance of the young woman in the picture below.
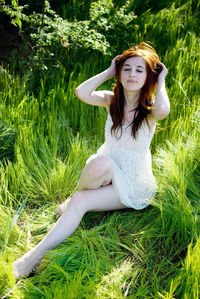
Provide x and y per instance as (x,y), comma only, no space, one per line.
(119,175)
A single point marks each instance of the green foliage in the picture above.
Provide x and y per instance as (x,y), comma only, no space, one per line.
(47,31)
(50,29)
(15,11)
(114,23)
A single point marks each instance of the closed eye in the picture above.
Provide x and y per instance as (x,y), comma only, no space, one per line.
(139,71)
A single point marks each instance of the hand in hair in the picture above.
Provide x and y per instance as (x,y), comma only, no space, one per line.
(112,67)
(162,73)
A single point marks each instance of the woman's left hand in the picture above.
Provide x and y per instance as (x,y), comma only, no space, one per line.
(163,73)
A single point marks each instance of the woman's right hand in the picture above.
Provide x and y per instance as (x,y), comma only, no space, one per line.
(112,68)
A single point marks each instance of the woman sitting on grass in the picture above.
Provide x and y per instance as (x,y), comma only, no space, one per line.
(119,175)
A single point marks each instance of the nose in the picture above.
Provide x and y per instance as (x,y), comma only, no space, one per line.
(132,73)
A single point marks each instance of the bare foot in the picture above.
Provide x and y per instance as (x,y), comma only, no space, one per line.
(60,210)
(26,264)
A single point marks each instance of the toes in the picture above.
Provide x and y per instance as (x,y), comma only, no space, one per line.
(21,270)
(17,274)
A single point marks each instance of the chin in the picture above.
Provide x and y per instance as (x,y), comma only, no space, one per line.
(133,88)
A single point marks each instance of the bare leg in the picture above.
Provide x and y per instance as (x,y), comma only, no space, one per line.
(95,174)
(102,199)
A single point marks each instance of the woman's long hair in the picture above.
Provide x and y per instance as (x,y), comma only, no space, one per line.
(146,98)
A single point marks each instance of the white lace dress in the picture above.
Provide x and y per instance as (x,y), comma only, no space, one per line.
(132,178)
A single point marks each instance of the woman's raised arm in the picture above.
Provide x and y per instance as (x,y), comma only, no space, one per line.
(87,93)
(162,105)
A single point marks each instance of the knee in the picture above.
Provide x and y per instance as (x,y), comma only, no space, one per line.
(99,167)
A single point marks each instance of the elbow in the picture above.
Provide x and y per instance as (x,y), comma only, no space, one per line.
(164,112)
(80,93)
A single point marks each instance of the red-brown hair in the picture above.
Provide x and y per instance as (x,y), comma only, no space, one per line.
(146,98)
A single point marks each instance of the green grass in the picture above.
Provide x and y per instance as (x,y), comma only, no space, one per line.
(47,134)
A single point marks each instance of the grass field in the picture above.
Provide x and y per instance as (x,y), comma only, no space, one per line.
(47,134)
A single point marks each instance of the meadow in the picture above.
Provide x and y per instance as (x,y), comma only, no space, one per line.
(47,134)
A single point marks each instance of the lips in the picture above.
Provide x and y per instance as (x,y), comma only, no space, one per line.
(131,81)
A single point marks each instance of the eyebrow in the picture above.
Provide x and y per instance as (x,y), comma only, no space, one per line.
(126,64)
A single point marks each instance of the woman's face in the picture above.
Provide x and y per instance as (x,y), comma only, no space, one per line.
(133,73)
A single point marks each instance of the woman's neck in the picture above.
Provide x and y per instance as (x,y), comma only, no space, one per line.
(131,98)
